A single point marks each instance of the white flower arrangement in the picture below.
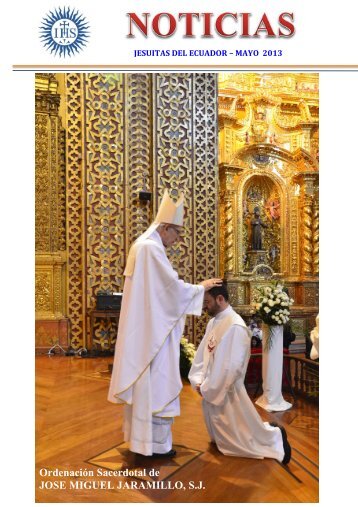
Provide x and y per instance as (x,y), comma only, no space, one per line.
(273,305)
(187,354)
(188,348)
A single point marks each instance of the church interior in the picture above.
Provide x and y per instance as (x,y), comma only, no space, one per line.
(238,145)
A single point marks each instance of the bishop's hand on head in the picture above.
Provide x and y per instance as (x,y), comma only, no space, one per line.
(212,282)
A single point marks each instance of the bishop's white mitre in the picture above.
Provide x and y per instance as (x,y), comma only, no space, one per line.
(169,212)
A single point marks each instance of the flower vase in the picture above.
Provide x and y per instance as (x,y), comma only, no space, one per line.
(272,365)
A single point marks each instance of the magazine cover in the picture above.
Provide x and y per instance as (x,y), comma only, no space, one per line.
(169,186)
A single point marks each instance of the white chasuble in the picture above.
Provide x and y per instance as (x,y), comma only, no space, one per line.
(220,366)
(146,364)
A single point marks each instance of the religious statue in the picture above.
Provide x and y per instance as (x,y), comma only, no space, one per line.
(260,113)
(273,207)
(273,253)
(254,193)
(245,209)
(256,230)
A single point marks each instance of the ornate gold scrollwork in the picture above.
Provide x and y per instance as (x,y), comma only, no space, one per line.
(50,211)
(75,205)
(43,291)
(106,181)
(139,148)
(229,236)
(137,132)
(185,140)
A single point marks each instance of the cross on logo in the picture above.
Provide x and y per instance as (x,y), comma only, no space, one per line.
(64,32)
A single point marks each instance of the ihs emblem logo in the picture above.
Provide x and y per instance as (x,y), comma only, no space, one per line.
(64,32)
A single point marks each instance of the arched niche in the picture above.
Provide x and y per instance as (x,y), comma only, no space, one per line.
(264,190)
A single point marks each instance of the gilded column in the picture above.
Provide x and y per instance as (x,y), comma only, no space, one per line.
(229,233)
(316,238)
(307,224)
(50,244)
(221,229)
(307,248)
(227,222)
(293,261)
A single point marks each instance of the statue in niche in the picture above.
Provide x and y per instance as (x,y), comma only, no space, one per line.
(244,259)
(260,113)
(256,230)
(245,209)
(273,253)
(254,193)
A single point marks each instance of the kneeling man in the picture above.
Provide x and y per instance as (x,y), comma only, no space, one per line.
(218,374)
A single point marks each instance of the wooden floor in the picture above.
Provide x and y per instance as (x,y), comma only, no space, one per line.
(74,423)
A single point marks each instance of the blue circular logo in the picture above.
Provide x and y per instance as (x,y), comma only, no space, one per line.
(64,32)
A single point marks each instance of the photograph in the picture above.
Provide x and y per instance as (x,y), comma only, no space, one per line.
(176,286)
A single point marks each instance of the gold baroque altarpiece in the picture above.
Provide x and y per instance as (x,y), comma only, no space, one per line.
(268,159)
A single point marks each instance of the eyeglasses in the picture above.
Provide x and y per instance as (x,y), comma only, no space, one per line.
(176,230)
